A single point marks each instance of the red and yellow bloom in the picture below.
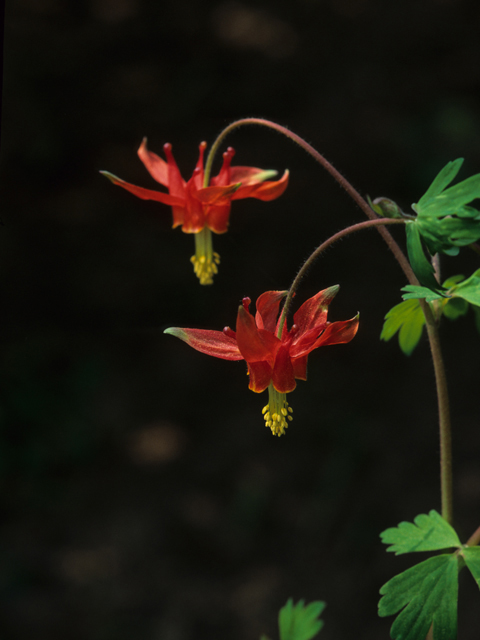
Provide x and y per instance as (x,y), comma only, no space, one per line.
(198,209)
(275,356)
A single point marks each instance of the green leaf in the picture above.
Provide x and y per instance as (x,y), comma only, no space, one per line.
(454,308)
(300,622)
(420,292)
(443,179)
(407,318)
(429,533)
(471,556)
(454,199)
(426,593)
(450,282)
(421,265)
(444,218)
(469,289)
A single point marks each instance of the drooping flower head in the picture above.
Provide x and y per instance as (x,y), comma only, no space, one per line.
(275,355)
(198,209)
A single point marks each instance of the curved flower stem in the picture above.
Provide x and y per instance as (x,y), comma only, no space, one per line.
(441,385)
(317,253)
(474,539)
(343,182)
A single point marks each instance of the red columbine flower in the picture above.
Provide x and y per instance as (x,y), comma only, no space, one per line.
(198,209)
(275,356)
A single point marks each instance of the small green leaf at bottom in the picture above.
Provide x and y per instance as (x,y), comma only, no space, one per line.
(429,533)
(425,594)
(471,555)
(300,621)
(407,318)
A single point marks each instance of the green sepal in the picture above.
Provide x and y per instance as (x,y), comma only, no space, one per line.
(300,621)
(386,208)
(407,318)
(421,265)
(426,593)
(429,533)
(471,555)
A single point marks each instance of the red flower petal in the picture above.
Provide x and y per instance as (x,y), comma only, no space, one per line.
(254,345)
(194,220)
(283,378)
(145,194)
(338,332)
(251,175)
(155,166)
(217,195)
(264,190)
(267,309)
(198,171)
(260,375)
(313,312)
(217,217)
(176,184)
(300,367)
(213,343)
(224,177)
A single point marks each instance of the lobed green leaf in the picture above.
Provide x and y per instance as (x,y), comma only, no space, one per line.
(300,622)
(420,292)
(469,289)
(429,533)
(442,180)
(471,555)
(407,318)
(421,265)
(454,308)
(426,593)
(453,200)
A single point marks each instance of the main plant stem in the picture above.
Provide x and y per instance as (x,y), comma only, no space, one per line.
(432,330)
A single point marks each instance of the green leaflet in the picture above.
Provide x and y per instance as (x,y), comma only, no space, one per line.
(454,308)
(444,218)
(453,200)
(471,555)
(469,289)
(414,292)
(458,295)
(426,593)
(421,265)
(407,318)
(300,622)
(429,533)
(442,180)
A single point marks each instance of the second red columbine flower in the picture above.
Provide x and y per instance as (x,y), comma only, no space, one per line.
(198,209)
(275,355)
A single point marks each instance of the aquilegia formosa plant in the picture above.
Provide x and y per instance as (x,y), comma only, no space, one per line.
(424,596)
(202,208)
(275,356)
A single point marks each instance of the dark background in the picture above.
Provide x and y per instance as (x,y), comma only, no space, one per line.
(142,496)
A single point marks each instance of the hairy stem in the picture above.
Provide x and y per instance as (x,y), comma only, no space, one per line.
(474,539)
(318,252)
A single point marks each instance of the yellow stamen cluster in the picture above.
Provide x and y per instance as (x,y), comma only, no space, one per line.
(205,268)
(277,412)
